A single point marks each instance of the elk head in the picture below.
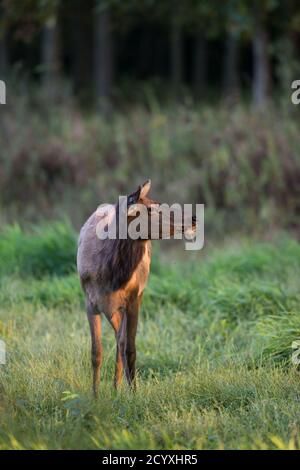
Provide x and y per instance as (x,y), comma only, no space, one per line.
(150,219)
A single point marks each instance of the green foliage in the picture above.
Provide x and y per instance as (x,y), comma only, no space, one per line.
(244,166)
(214,351)
(277,333)
(26,18)
(52,292)
(50,249)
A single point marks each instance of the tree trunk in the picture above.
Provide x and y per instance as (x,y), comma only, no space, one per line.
(200,66)
(3,58)
(103,59)
(81,55)
(261,67)
(230,68)
(50,58)
(176,57)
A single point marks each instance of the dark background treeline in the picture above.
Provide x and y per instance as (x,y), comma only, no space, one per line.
(107,49)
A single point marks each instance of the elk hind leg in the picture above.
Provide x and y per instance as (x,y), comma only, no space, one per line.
(96,351)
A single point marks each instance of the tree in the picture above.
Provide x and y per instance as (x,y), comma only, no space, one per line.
(261,63)
(103,54)
(3,46)
(200,65)
(50,57)
(3,56)
(230,66)
(176,47)
(259,12)
(203,21)
(252,18)
(287,46)
(233,24)
(27,19)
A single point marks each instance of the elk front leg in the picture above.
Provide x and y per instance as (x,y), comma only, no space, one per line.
(130,348)
(118,322)
(96,353)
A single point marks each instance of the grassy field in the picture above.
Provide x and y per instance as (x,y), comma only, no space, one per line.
(214,350)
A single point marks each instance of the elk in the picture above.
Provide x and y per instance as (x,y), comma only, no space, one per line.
(113,275)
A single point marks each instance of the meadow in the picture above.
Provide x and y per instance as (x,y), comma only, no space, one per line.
(214,349)
(197,98)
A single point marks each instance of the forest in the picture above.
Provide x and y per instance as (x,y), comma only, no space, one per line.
(112,50)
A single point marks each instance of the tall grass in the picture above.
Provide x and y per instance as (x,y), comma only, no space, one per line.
(50,249)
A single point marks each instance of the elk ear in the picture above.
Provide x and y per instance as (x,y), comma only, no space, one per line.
(145,188)
(134,197)
(141,192)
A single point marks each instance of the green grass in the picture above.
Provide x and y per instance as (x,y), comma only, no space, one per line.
(214,351)
(50,249)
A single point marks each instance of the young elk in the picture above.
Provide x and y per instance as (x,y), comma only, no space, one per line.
(113,275)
